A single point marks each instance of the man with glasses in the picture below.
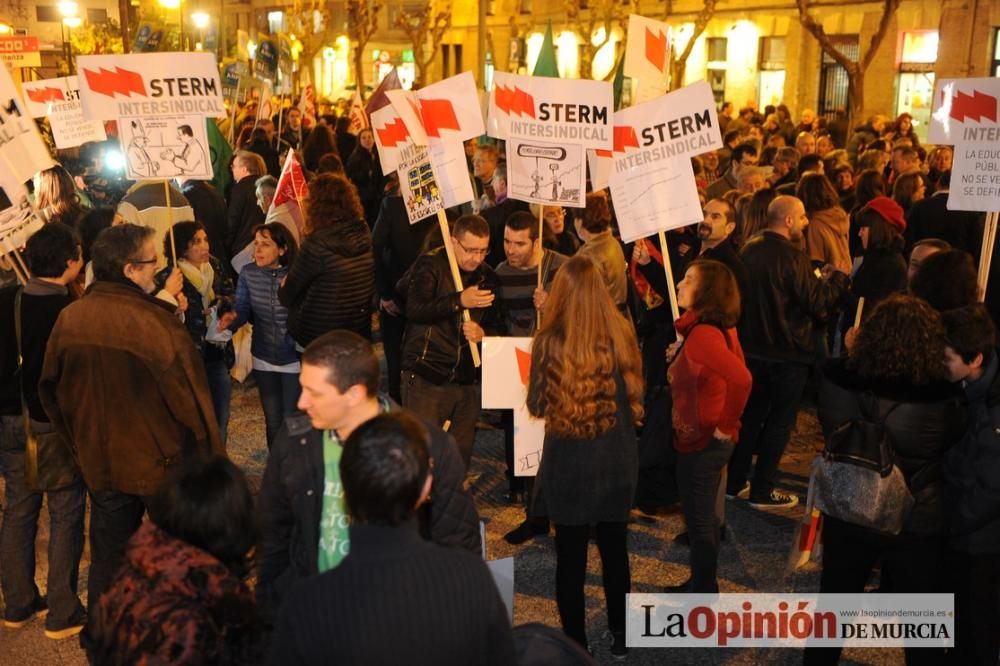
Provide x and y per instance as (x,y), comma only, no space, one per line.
(439,380)
(123,382)
(744,155)
(304,522)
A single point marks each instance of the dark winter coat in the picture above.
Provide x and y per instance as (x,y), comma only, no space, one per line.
(365,172)
(882,273)
(242,216)
(972,469)
(397,244)
(928,421)
(257,297)
(435,348)
(196,315)
(291,502)
(172,603)
(331,283)
(587,481)
(209,209)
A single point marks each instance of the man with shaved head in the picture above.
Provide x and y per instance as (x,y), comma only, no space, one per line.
(784,300)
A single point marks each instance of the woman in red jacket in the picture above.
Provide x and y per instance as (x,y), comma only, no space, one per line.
(710,385)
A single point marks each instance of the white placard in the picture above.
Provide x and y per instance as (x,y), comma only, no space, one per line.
(59,99)
(647,56)
(164,147)
(965,111)
(557,111)
(546,173)
(150,84)
(418,184)
(506,365)
(22,151)
(975,177)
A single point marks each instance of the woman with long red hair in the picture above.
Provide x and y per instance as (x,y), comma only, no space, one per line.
(586,382)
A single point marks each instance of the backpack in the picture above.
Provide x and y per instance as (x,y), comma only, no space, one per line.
(856,479)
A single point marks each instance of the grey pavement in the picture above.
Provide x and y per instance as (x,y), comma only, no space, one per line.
(753,556)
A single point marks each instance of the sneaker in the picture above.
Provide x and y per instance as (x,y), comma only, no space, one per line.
(618,650)
(526,530)
(38,608)
(743,493)
(776,500)
(71,628)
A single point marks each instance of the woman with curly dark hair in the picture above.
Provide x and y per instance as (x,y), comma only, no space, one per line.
(331,283)
(710,385)
(895,372)
(586,382)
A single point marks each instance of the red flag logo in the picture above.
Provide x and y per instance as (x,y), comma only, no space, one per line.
(523,364)
(977,106)
(292,185)
(120,81)
(393,133)
(437,114)
(514,101)
(656,49)
(43,95)
(624,137)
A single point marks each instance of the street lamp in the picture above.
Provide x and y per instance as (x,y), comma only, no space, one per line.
(201,21)
(6,28)
(68,10)
(176,4)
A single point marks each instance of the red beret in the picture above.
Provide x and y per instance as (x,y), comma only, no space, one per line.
(890,211)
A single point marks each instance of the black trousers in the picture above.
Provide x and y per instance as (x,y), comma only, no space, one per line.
(571,571)
(975,580)
(393,328)
(850,553)
(700,481)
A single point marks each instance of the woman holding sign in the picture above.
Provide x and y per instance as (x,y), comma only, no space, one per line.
(586,382)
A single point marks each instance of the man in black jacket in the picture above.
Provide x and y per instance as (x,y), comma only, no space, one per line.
(972,474)
(243,214)
(783,301)
(209,209)
(439,380)
(303,521)
(396,599)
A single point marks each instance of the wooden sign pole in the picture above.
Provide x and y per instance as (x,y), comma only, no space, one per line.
(170,221)
(671,289)
(986,255)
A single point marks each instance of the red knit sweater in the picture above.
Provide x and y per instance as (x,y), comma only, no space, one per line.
(709,383)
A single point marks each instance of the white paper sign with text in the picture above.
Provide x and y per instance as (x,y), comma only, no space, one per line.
(59,100)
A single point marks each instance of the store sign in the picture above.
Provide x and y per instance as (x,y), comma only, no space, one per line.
(21,51)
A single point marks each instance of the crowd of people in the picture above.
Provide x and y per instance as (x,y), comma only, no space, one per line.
(827,264)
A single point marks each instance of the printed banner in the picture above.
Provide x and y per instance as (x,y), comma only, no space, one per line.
(165,147)
(975,177)
(418,184)
(22,151)
(546,173)
(647,57)
(554,110)
(59,99)
(965,111)
(20,51)
(506,366)
(265,61)
(148,84)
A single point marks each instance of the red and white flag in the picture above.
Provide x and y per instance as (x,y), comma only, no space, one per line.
(307,105)
(647,56)
(359,119)
(391,136)
(286,207)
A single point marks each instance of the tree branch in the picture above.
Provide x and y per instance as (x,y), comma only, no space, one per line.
(700,23)
(817,31)
(888,11)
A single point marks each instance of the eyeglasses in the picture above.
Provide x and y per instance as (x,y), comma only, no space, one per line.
(145,261)
(476,252)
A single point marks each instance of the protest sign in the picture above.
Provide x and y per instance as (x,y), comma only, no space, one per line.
(358,117)
(647,57)
(20,51)
(418,184)
(165,147)
(546,173)
(391,136)
(506,367)
(59,100)
(554,110)
(265,61)
(149,84)
(22,151)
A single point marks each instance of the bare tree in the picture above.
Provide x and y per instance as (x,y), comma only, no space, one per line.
(678,61)
(302,23)
(601,18)
(362,23)
(855,70)
(425,30)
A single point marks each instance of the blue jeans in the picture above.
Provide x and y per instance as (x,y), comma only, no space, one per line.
(114,518)
(20,526)
(767,424)
(221,386)
(279,395)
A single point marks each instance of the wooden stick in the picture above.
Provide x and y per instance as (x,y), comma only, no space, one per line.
(170,221)
(671,289)
(986,255)
(857,315)
(541,235)
(457,277)
(236,103)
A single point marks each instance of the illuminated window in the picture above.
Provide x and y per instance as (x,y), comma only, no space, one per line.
(920,46)
(717,48)
(276,22)
(996,52)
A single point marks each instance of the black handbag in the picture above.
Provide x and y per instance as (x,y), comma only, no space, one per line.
(49,460)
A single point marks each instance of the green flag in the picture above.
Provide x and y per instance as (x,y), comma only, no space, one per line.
(546,63)
(220,151)
(618,83)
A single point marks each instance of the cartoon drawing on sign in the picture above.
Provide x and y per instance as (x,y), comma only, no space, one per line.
(192,157)
(546,173)
(139,161)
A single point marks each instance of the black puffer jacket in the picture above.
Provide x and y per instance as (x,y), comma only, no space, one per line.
(927,422)
(784,299)
(291,502)
(434,347)
(331,283)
